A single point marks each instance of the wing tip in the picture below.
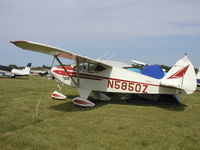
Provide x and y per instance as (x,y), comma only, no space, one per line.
(16,42)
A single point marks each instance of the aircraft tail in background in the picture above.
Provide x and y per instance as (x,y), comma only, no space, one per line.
(27,68)
(181,76)
(198,78)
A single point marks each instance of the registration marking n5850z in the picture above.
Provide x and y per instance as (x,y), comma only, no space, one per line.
(130,86)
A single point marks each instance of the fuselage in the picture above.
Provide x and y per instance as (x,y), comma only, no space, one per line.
(18,72)
(112,80)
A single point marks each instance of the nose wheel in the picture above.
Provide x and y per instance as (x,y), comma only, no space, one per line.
(58,95)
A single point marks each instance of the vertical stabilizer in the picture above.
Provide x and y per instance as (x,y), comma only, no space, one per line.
(181,76)
(28,68)
(198,78)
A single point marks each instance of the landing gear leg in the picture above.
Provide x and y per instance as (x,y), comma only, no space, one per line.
(59,88)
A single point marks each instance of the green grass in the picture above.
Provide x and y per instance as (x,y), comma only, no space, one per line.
(113,125)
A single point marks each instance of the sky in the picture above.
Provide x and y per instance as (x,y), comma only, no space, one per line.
(152,31)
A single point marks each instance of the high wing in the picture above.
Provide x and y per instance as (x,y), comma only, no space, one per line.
(5,73)
(54,51)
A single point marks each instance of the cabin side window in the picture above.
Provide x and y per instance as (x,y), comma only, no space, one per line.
(89,67)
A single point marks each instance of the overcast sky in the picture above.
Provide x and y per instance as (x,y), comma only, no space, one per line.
(153,31)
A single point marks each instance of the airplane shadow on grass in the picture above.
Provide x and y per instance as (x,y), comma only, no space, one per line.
(169,106)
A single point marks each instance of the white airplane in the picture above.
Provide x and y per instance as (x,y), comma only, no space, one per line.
(95,75)
(17,72)
(198,78)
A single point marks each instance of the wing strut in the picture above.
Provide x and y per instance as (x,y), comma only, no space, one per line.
(77,69)
(77,84)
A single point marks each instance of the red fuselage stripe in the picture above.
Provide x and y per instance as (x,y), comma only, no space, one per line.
(94,77)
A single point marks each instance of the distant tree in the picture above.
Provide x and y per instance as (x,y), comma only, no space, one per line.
(196,70)
(6,68)
(137,66)
(167,68)
(46,67)
(13,66)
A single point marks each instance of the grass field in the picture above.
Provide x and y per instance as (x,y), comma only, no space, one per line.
(114,125)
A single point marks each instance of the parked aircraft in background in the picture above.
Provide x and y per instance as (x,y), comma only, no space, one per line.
(92,75)
(40,72)
(198,78)
(17,72)
(139,62)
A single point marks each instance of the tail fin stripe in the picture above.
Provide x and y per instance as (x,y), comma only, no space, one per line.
(179,73)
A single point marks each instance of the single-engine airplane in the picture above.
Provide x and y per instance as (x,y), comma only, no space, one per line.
(90,75)
(198,78)
(17,72)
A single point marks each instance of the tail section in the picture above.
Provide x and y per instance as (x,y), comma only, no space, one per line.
(198,78)
(181,76)
(28,68)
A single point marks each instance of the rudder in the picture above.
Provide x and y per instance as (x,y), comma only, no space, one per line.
(28,68)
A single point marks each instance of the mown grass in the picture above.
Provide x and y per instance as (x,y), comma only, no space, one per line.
(114,125)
